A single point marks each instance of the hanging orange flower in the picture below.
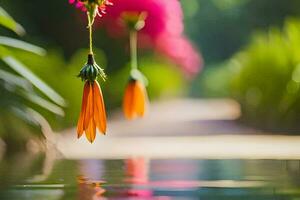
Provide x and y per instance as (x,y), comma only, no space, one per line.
(135,99)
(92,115)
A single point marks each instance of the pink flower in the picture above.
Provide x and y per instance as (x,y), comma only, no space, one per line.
(163,30)
(155,21)
(180,51)
(101,5)
(78,4)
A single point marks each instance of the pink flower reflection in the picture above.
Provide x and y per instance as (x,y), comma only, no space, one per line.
(139,193)
(137,172)
(176,184)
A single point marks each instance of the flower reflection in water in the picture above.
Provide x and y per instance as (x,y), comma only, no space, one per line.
(90,190)
(90,183)
(137,173)
(133,179)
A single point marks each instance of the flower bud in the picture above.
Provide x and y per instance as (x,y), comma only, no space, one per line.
(91,70)
(134,20)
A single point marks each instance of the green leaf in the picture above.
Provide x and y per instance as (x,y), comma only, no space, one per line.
(20,112)
(8,22)
(21,45)
(37,82)
(44,103)
(28,93)
(4,51)
(14,80)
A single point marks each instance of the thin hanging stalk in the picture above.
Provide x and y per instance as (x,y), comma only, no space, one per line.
(90,26)
(133,49)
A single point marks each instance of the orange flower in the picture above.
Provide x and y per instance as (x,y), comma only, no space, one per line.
(135,99)
(92,114)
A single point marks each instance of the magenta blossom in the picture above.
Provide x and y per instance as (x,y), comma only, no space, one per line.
(80,4)
(157,15)
(163,30)
(181,51)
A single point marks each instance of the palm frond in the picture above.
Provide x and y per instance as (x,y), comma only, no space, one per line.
(36,81)
(8,22)
(10,42)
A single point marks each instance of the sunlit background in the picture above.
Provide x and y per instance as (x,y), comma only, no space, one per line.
(224,90)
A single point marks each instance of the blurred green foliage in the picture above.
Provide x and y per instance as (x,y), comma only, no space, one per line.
(265,79)
(221,27)
(22,93)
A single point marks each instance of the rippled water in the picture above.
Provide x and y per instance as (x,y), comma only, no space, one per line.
(142,178)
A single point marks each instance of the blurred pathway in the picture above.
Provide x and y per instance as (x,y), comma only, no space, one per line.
(184,128)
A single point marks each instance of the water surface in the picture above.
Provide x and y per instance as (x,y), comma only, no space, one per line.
(142,178)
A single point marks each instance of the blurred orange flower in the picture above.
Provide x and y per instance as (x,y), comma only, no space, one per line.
(135,99)
(93,113)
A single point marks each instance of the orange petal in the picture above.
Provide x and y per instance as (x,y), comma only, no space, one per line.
(89,108)
(128,101)
(140,99)
(83,110)
(90,132)
(99,112)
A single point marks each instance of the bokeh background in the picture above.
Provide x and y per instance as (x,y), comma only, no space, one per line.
(247,50)
(224,85)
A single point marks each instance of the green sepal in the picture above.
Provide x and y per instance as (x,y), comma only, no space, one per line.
(136,74)
(90,71)
(134,21)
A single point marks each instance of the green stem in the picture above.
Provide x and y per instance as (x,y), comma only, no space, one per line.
(133,49)
(90,26)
